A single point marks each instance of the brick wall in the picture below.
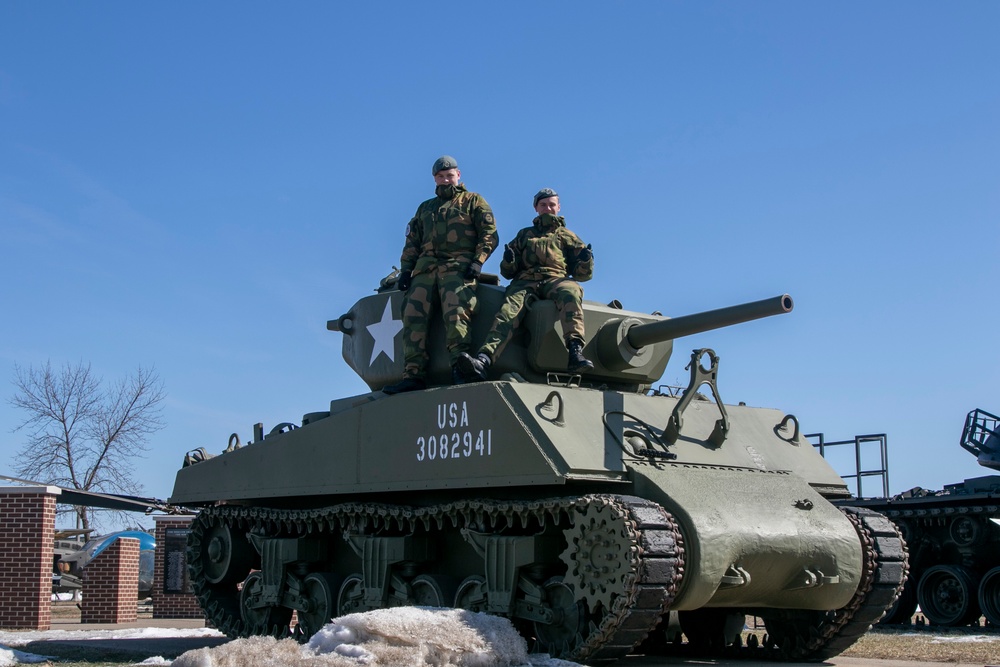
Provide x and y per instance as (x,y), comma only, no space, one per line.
(171,596)
(27,526)
(111,584)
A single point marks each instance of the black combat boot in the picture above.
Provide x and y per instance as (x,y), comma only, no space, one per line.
(474,368)
(404,385)
(577,362)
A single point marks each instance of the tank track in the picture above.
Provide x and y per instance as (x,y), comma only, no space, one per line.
(623,599)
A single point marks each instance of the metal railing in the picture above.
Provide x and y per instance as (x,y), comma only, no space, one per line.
(880,439)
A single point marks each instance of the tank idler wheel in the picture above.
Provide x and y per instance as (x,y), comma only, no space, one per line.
(226,558)
(564,635)
(262,620)
(471,594)
(947,596)
(432,591)
(351,598)
(989,596)
(320,589)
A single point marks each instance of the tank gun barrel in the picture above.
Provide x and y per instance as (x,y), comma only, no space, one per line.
(654,332)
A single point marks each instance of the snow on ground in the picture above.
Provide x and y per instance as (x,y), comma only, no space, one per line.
(20,638)
(9,657)
(398,637)
(964,639)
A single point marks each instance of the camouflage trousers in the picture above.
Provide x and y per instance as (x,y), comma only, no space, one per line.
(565,292)
(457,299)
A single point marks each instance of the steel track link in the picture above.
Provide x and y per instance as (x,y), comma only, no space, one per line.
(655,553)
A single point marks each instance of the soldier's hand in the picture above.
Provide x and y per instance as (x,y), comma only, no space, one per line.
(403,280)
(508,254)
(585,254)
(472,273)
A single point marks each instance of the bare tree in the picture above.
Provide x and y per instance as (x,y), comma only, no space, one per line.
(83,435)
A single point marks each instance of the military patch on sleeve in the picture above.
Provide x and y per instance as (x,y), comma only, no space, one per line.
(407,232)
(488,217)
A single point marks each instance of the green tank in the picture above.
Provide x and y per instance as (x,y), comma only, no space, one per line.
(603,516)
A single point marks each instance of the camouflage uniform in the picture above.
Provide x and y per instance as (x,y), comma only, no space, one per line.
(545,256)
(444,237)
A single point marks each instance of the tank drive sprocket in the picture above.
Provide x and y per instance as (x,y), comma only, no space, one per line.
(625,561)
(598,554)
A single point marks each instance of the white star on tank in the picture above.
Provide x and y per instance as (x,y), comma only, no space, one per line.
(384,333)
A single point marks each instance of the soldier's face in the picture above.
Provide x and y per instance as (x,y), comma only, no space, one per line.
(548,205)
(447,177)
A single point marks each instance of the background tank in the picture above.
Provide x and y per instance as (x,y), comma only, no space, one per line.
(953,537)
(590,512)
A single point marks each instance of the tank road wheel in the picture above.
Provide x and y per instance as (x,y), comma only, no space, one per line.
(266,620)
(471,593)
(321,591)
(351,597)
(947,596)
(565,633)
(989,596)
(431,591)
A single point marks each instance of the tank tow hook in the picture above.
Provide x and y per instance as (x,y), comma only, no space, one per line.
(699,376)
(735,576)
(811,577)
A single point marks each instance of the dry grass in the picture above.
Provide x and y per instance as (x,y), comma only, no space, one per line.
(946,645)
(970,645)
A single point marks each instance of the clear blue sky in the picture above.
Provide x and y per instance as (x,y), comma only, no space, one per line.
(199,187)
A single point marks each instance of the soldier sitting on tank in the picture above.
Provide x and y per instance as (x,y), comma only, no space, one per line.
(539,262)
(447,242)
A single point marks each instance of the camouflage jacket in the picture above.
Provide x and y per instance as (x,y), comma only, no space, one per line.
(449,233)
(547,250)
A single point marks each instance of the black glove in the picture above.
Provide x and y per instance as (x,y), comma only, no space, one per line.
(508,254)
(472,273)
(403,280)
(585,254)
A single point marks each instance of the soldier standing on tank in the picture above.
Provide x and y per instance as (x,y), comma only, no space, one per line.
(447,242)
(542,262)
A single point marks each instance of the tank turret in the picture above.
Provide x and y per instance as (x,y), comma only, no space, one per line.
(630,350)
